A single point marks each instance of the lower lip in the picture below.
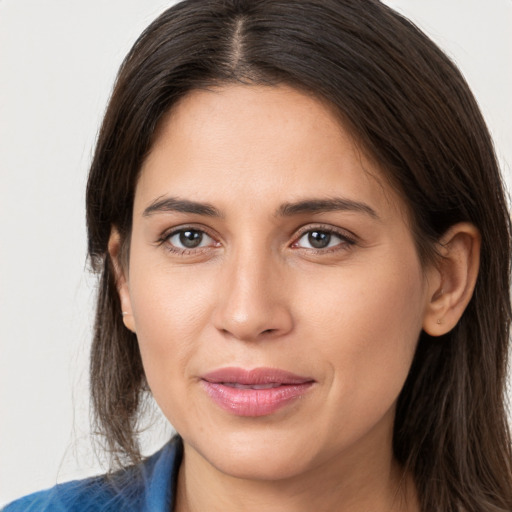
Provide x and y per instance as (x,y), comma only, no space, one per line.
(254,402)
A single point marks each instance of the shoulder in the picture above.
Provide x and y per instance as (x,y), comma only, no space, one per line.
(148,486)
(92,494)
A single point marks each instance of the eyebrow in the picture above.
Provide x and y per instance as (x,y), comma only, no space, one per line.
(324,206)
(174,204)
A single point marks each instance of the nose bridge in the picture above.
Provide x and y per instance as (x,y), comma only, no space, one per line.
(252,302)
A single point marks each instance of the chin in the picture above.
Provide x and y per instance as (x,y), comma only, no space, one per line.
(263,455)
(260,465)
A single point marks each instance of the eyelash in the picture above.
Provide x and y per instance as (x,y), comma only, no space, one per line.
(165,240)
(347,240)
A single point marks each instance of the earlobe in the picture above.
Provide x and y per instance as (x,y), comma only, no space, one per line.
(114,250)
(455,277)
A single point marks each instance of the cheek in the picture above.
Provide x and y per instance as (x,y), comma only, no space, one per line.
(366,328)
(171,312)
(168,301)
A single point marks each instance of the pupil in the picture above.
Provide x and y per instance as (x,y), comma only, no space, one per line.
(191,239)
(319,239)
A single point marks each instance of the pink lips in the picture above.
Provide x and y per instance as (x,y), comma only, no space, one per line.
(256,392)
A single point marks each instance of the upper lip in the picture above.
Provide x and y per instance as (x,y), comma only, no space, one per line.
(254,376)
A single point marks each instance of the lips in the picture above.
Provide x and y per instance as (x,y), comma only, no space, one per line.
(257,392)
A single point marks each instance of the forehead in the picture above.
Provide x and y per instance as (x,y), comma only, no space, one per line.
(266,144)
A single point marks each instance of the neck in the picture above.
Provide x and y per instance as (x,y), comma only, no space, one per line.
(379,485)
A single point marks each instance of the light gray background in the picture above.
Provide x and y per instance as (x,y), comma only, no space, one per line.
(58,60)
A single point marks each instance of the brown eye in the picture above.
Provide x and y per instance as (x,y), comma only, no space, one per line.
(189,239)
(320,239)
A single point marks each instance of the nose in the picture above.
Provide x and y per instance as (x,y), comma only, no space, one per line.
(252,301)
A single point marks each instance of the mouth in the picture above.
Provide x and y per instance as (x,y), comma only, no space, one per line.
(257,392)
(251,386)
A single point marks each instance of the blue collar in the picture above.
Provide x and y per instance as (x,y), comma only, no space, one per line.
(147,487)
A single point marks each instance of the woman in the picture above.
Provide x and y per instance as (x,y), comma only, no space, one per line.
(303,245)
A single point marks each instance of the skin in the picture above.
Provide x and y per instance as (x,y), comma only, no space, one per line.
(256,293)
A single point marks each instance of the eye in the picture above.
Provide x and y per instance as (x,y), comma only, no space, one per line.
(322,239)
(188,238)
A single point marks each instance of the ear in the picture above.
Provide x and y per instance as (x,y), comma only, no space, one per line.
(121,273)
(453,279)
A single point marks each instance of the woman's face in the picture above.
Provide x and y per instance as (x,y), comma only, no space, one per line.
(273,284)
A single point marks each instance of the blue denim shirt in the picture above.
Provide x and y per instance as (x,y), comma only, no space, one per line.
(150,486)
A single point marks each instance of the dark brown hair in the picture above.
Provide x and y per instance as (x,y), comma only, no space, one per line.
(412,112)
